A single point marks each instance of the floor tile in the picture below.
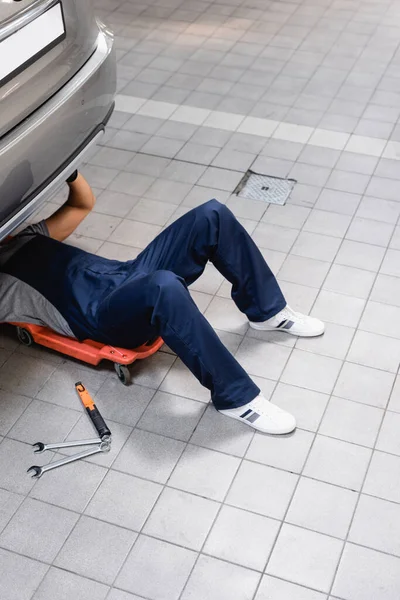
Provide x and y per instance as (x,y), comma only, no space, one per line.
(232,581)
(394,403)
(338,202)
(306,406)
(20,576)
(23,375)
(149,456)
(383,479)
(332,224)
(128,509)
(204,472)
(338,308)
(96,550)
(172,416)
(123,404)
(371,232)
(217,432)
(15,459)
(57,490)
(284,452)
(45,422)
(65,585)
(376,524)
(315,245)
(156,569)
(182,518)
(378,351)
(9,504)
(360,256)
(277,589)
(38,530)
(366,574)
(334,343)
(363,384)
(304,271)
(262,358)
(223,314)
(262,489)
(349,281)
(311,371)
(351,422)
(11,408)
(305,557)
(386,290)
(337,462)
(275,237)
(242,537)
(60,387)
(181,381)
(322,507)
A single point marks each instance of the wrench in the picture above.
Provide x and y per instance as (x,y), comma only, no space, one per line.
(40,447)
(39,471)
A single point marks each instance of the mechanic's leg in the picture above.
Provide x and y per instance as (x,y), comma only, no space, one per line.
(211,232)
(160,303)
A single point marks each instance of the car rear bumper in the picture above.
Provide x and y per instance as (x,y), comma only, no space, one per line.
(39,154)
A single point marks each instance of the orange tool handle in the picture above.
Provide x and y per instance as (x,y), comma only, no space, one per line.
(92,410)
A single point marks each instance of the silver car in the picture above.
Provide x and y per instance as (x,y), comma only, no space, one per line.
(57,86)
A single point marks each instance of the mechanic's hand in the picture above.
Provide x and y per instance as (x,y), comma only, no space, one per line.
(73,177)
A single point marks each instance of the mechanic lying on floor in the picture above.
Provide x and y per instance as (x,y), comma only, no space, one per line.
(125,304)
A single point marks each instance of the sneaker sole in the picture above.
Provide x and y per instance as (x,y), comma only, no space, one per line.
(282,431)
(265,327)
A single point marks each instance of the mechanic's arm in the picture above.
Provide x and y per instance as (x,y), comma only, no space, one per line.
(79,204)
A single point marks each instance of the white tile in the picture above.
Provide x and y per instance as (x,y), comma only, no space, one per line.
(365,145)
(272,588)
(242,537)
(322,507)
(311,371)
(190,114)
(306,406)
(128,104)
(181,518)
(337,462)
(218,580)
(392,151)
(223,120)
(261,489)
(305,557)
(351,421)
(284,452)
(376,524)
(161,110)
(204,472)
(293,133)
(366,574)
(256,126)
(326,138)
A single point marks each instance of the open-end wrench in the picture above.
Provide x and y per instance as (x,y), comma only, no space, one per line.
(40,447)
(39,471)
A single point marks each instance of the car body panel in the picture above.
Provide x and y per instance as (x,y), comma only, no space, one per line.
(22,94)
(52,140)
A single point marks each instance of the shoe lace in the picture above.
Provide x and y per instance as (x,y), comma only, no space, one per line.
(289,314)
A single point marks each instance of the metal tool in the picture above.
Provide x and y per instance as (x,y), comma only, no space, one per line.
(38,471)
(102,443)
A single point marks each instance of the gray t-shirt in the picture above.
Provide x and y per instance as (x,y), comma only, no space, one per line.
(21,303)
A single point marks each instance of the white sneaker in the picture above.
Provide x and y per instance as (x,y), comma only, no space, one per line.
(291,322)
(263,416)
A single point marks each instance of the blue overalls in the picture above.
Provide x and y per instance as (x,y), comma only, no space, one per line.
(126,304)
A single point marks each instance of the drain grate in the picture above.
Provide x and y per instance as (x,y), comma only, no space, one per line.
(274,190)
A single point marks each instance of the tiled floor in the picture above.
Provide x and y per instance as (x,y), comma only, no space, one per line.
(190,505)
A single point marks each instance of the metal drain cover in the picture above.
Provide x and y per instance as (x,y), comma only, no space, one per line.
(274,190)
